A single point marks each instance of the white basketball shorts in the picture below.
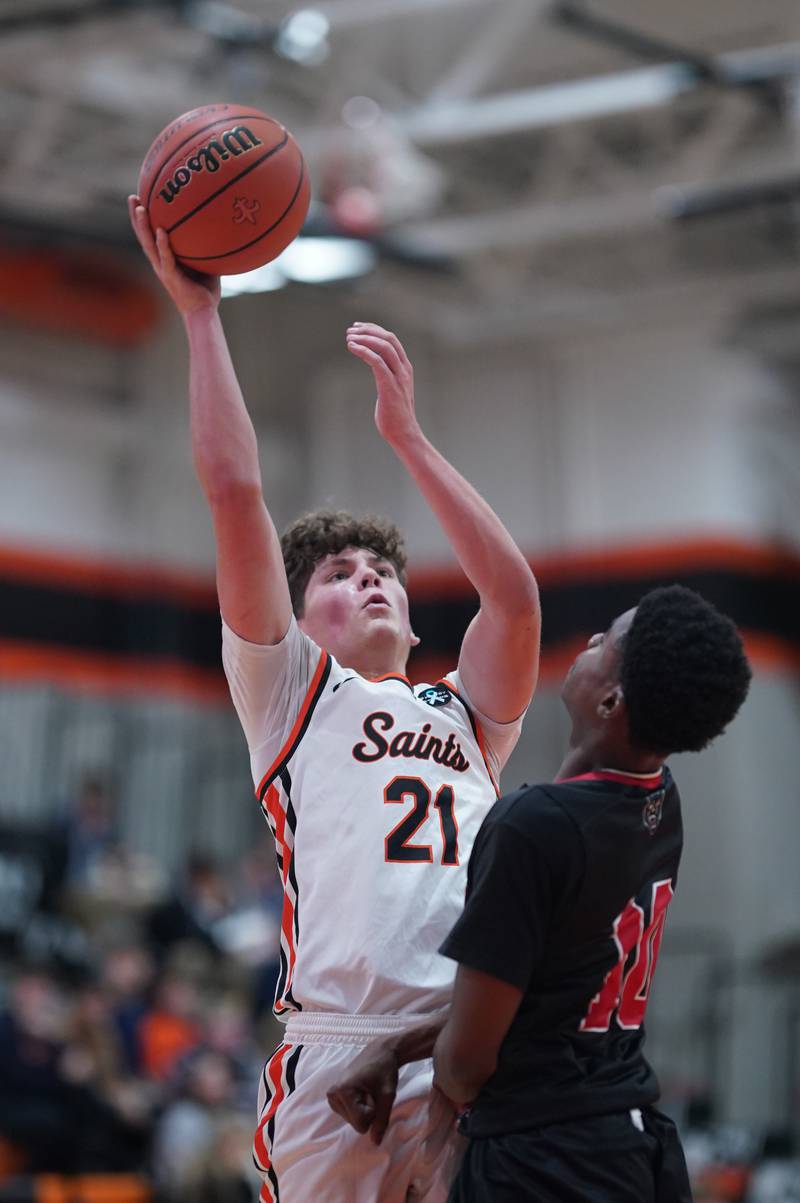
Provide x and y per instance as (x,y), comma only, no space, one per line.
(308,1154)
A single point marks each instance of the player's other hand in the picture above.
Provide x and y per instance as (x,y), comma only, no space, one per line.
(365,1096)
(382,351)
(188,290)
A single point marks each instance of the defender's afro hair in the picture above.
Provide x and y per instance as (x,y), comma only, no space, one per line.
(684,672)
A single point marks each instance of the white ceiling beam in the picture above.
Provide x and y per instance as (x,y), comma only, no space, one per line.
(345,13)
(488,51)
(600,216)
(532,225)
(541,108)
(581,100)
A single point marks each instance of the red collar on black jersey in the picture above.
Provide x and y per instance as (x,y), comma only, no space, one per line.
(642,780)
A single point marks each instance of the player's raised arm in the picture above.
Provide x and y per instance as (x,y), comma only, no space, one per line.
(500,653)
(251,580)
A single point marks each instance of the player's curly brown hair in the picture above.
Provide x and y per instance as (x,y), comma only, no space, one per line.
(313,536)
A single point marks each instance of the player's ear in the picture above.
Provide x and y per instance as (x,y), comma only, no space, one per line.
(612,703)
(414,639)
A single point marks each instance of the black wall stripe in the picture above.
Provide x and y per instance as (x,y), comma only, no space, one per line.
(110,624)
(759,604)
(167,629)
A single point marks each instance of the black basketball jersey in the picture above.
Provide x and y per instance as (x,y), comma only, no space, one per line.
(567,892)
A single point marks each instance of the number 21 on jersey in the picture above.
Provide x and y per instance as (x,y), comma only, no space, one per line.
(623,994)
(399,848)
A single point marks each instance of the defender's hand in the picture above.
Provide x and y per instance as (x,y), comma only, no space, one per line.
(394,378)
(366,1095)
(189,291)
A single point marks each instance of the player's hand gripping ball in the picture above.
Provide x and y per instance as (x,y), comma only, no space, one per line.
(229,185)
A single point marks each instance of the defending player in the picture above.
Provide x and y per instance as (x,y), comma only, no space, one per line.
(568,891)
(374,790)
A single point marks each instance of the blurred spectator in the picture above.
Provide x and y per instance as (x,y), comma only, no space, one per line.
(228,1031)
(776,1178)
(57,1071)
(127,975)
(720,1159)
(192,912)
(90,828)
(258,883)
(197,1124)
(252,931)
(93,1059)
(35,1096)
(224,1171)
(32,872)
(102,875)
(169,1027)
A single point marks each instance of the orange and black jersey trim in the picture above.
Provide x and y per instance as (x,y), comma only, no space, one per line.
(315,692)
(476,731)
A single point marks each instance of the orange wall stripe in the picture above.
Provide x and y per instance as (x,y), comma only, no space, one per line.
(84,671)
(766,654)
(109,674)
(634,560)
(98,574)
(771,655)
(66,571)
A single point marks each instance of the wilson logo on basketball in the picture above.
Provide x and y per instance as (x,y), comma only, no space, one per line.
(233,142)
(245,210)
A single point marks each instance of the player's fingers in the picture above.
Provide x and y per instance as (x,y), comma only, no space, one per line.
(133,206)
(137,216)
(383,1111)
(383,347)
(374,328)
(164,249)
(141,228)
(354,1106)
(381,372)
(338,1102)
(381,332)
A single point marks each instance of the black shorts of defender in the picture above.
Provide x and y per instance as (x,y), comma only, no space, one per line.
(621,1158)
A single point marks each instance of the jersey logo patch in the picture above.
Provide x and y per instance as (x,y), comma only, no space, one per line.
(436,695)
(651,814)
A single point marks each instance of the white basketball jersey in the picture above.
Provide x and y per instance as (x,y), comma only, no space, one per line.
(374,792)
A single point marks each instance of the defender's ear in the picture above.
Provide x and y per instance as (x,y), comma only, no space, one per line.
(415,640)
(612,704)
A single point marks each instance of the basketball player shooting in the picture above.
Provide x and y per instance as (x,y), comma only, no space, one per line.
(373,789)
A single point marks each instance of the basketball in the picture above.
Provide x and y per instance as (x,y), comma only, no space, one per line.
(229,186)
